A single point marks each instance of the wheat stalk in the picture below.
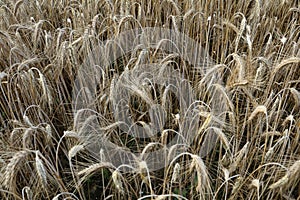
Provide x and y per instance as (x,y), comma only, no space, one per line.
(257,110)
(116,176)
(296,95)
(292,174)
(74,150)
(94,167)
(250,67)
(41,170)
(202,174)
(13,167)
(256,183)
(176,173)
(241,30)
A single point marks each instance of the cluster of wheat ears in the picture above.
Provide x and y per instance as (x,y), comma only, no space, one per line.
(254,47)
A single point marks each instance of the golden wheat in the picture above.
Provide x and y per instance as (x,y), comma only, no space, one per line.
(241,106)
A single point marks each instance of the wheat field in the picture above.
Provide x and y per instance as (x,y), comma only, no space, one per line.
(235,117)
